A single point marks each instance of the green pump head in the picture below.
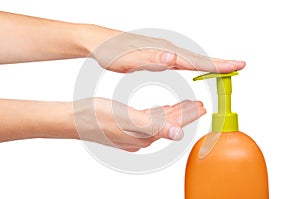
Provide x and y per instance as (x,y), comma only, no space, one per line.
(224,120)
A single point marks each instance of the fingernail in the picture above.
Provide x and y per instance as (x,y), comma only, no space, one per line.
(242,63)
(175,133)
(237,62)
(167,57)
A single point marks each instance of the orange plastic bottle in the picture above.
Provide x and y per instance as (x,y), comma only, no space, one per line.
(226,163)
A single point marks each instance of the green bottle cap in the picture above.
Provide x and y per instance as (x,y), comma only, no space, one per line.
(224,120)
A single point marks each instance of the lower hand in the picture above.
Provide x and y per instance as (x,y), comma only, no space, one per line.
(114,124)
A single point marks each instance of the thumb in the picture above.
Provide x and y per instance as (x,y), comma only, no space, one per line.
(163,58)
(153,60)
(175,133)
(170,130)
(163,124)
(168,58)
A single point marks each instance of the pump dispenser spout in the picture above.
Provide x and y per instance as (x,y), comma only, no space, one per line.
(224,120)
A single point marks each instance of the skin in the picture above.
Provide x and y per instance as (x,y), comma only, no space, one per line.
(29,39)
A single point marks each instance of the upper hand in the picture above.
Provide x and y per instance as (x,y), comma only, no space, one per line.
(128,52)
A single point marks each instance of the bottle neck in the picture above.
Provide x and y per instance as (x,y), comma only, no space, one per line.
(224,120)
(224,108)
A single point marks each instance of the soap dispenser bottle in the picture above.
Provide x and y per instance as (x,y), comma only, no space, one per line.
(226,163)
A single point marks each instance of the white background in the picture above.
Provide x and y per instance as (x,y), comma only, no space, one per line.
(264,33)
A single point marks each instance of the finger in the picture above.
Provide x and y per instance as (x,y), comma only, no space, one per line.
(156,123)
(167,122)
(187,60)
(166,108)
(188,112)
(178,116)
(182,114)
(185,102)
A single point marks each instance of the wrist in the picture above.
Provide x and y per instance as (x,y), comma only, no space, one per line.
(89,37)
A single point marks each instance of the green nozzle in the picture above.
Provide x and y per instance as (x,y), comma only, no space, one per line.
(224,120)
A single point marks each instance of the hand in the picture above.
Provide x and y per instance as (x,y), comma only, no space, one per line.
(37,39)
(115,124)
(96,119)
(126,52)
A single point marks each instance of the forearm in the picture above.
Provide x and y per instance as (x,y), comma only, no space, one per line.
(21,119)
(26,39)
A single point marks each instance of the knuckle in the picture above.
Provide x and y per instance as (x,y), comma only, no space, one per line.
(153,57)
(155,129)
